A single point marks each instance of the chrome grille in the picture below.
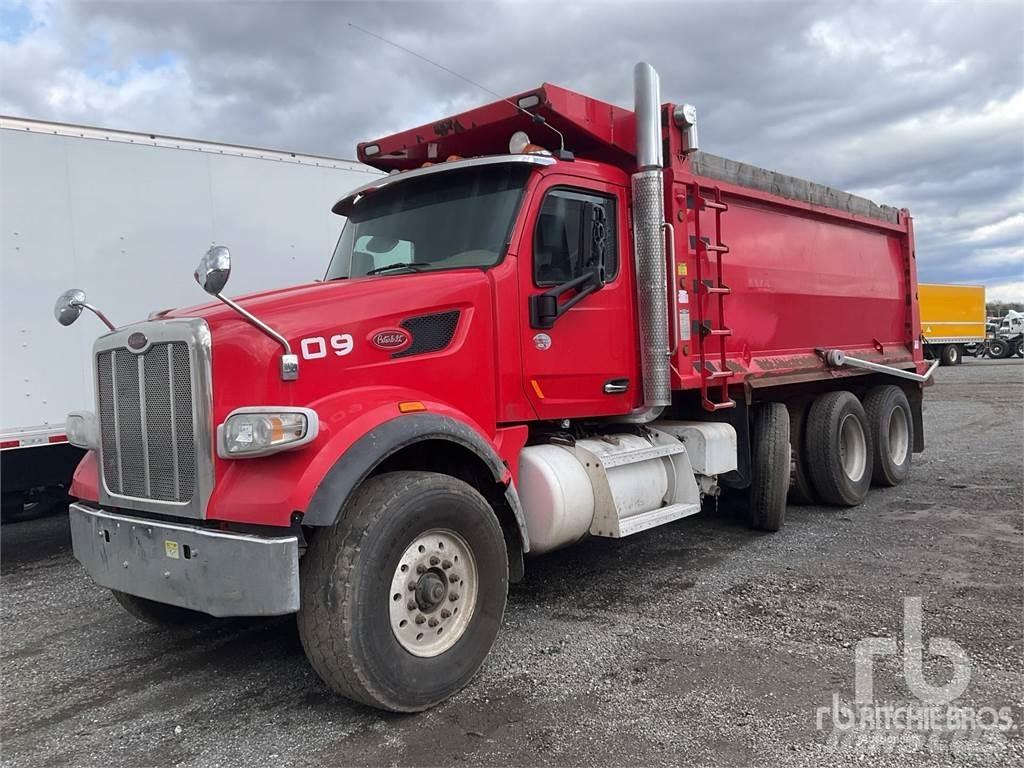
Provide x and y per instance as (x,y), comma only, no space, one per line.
(146,422)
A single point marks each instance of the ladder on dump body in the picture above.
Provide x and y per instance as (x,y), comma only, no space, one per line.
(710,329)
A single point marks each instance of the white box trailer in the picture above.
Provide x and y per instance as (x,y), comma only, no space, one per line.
(126,216)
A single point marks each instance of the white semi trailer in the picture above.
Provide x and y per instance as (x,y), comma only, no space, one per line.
(124,214)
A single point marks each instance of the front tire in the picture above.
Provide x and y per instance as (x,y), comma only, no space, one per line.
(839,449)
(999,349)
(403,597)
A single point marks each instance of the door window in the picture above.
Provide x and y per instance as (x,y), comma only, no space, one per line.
(566,245)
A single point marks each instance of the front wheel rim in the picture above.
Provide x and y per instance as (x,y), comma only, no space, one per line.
(853,449)
(433,593)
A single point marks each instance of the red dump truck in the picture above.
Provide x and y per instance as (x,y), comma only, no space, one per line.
(553,318)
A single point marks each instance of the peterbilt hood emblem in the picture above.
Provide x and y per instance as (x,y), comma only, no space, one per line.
(137,341)
(390,339)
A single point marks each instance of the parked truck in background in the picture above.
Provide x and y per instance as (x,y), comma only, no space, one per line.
(1008,336)
(123,212)
(554,318)
(952,320)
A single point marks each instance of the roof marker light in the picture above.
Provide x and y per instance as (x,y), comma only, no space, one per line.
(518,143)
(371,149)
(525,102)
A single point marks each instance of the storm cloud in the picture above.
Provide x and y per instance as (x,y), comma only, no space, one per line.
(914,104)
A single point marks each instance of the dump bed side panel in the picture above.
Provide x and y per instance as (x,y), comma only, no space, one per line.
(802,277)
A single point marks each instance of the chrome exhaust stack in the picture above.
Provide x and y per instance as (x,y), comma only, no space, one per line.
(649,244)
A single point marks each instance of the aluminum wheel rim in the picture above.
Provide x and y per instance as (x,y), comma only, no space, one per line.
(853,448)
(899,436)
(433,593)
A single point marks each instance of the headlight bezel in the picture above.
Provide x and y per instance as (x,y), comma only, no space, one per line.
(269,411)
(89,435)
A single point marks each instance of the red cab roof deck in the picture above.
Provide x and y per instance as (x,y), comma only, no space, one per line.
(593,129)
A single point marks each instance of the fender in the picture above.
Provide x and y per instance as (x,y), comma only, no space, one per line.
(270,490)
(85,481)
(356,463)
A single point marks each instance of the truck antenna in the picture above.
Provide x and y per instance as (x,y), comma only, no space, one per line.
(534,117)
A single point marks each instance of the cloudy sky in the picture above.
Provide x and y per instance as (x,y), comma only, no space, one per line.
(912,103)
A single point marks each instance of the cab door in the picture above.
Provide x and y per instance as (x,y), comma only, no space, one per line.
(578,317)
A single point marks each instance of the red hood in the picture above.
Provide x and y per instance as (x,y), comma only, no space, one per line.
(281,303)
(311,316)
(344,372)
(299,310)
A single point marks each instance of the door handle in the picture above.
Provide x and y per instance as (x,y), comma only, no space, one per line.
(616,386)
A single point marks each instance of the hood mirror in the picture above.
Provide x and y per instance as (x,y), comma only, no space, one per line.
(214,269)
(69,306)
(212,274)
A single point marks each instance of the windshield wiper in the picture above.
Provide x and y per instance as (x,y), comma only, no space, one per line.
(413,265)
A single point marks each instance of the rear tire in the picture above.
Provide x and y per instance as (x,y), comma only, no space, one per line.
(159,614)
(801,491)
(839,449)
(770,467)
(387,580)
(951,355)
(892,431)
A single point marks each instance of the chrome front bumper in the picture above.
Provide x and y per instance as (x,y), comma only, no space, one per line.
(216,572)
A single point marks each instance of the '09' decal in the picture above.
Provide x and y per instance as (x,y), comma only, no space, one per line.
(315,347)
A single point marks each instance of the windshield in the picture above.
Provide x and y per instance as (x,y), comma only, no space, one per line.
(451,220)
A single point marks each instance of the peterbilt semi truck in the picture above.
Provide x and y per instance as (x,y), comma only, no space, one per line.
(553,319)
(121,209)
(1008,336)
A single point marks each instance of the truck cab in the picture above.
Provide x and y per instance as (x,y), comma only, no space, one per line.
(531,331)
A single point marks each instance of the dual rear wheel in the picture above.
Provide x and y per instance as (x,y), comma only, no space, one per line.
(951,354)
(843,445)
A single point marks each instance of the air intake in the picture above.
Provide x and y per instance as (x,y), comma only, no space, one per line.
(430,333)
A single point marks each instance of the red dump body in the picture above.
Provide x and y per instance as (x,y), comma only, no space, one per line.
(806,266)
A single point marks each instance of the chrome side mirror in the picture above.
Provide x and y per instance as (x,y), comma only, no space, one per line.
(214,269)
(69,306)
(212,274)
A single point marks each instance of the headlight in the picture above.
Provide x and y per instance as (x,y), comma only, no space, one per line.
(80,427)
(250,432)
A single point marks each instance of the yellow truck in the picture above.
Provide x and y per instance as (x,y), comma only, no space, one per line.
(952,317)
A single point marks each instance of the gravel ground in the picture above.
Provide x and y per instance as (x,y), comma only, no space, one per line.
(701,642)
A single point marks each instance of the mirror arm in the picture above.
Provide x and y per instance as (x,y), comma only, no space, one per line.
(98,313)
(544,307)
(289,361)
